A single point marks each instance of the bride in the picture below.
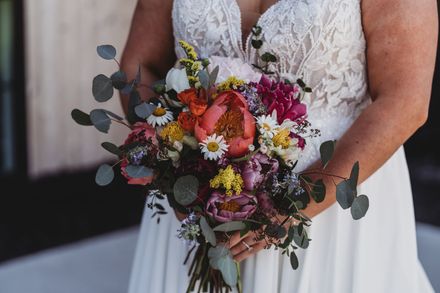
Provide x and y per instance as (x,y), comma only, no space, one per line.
(370,64)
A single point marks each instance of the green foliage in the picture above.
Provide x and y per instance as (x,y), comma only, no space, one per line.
(204,78)
(213,76)
(81,118)
(326,150)
(108,146)
(102,88)
(144,110)
(268,57)
(104,175)
(299,236)
(119,80)
(294,260)
(345,194)
(359,207)
(354,176)
(100,120)
(318,191)
(230,226)
(220,258)
(107,52)
(186,189)
(138,171)
(257,44)
(208,232)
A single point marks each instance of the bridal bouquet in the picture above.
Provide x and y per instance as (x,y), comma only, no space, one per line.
(222,149)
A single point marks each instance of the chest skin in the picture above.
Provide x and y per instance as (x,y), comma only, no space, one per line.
(251,10)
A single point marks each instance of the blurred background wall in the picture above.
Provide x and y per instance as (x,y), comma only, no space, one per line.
(61,38)
(47,162)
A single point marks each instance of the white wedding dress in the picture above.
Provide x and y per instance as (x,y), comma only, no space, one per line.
(321,41)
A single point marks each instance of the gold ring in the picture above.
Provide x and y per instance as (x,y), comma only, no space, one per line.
(249,248)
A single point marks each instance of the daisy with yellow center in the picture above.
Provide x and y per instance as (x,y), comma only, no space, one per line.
(229,180)
(267,125)
(214,147)
(160,116)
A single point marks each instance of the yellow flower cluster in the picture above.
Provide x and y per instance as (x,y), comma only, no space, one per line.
(229,180)
(189,50)
(172,132)
(229,84)
(282,138)
(190,63)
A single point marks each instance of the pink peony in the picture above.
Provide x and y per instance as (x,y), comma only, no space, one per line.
(257,169)
(225,208)
(283,98)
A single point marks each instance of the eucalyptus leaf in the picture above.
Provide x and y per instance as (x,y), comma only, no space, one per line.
(144,110)
(204,78)
(102,88)
(213,76)
(113,115)
(294,260)
(360,207)
(302,240)
(119,79)
(106,52)
(354,175)
(345,194)
(217,252)
(318,191)
(230,226)
(81,118)
(133,101)
(256,44)
(268,57)
(100,120)
(326,150)
(112,148)
(138,171)
(186,189)
(137,79)
(104,175)
(228,268)
(208,232)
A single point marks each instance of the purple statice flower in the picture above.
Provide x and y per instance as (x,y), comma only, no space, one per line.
(282,97)
(253,99)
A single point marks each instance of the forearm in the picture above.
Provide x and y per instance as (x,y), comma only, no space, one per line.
(373,138)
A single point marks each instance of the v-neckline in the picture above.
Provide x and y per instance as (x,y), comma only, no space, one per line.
(244,47)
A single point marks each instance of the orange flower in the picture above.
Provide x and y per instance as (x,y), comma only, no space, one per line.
(187,96)
(187,121)
(195,100)
(228,116)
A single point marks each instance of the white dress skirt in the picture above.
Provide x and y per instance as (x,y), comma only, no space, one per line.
(321,41)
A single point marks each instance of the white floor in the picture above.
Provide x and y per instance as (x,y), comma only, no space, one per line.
(102,265)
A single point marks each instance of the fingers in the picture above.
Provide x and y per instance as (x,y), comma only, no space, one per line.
(245,244)
(235,239)
(247,253)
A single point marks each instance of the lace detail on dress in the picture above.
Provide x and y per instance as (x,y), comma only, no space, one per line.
(321,41)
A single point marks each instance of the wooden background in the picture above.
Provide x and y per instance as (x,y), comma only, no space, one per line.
(61,61)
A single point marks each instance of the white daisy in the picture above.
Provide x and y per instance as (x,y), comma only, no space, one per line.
(268,125)
(160,116)
(214,147)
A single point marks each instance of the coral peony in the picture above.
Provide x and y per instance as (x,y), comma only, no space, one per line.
(225,208)
(228,116)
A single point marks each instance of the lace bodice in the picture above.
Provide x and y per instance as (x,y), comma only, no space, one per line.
(321,41)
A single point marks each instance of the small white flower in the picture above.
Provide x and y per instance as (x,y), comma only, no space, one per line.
(177,79)
(178,146)
(251,147)
(214,147)
(160,116)
(268,125)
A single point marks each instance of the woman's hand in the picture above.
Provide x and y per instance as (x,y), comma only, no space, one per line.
(246,246)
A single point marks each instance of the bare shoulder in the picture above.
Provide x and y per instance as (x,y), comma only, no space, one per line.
(401,40)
